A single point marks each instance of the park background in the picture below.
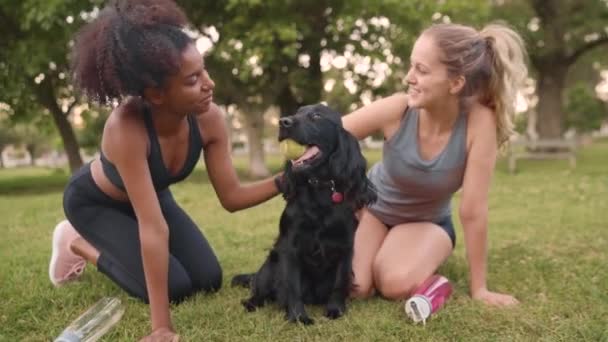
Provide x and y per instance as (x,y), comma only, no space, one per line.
(548,232)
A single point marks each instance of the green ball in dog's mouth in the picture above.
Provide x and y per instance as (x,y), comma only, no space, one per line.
(290,149)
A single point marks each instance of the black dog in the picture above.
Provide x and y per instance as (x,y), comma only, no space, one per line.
(311,260)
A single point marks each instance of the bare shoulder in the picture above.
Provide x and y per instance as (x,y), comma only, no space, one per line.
(124,114)
(481,123)
(212,116)
(124,131)
(212,124)
(481,117)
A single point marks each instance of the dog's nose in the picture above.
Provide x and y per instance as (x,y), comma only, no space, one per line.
(286,122)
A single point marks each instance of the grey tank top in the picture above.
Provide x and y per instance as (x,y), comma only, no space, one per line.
(411,189)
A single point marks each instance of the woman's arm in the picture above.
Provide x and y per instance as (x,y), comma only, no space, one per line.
(384,114)
(232,194)
(474,203)
(126,145)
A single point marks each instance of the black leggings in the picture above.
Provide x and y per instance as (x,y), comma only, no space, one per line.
(111,227)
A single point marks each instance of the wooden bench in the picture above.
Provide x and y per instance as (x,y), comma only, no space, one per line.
(541,149)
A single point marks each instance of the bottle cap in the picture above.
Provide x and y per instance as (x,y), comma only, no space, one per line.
(418,308)
(68,336)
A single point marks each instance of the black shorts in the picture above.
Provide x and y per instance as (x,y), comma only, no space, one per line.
(445,223)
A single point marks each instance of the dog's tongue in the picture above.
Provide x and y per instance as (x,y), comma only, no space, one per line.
(309,153)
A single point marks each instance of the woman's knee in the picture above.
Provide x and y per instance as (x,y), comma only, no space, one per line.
(183,286)
(215,279)
(180,288)
(395,282)
(209,279)
(395,286)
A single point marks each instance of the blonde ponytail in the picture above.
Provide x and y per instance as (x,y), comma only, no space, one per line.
(508,73)
(493,62)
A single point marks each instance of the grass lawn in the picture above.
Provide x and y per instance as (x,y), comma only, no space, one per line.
(548,246)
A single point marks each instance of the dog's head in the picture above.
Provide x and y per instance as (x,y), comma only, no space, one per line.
(331,154)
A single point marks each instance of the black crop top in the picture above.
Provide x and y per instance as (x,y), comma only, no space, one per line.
(161,177)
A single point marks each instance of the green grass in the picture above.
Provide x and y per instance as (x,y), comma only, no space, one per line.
(548,246)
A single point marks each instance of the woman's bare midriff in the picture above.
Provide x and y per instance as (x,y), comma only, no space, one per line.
(104,183)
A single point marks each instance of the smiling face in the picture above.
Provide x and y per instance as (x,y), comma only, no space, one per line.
(190,90)
(428,79)
(316,128)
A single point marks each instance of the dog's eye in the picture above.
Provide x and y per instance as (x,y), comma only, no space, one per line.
(315,116)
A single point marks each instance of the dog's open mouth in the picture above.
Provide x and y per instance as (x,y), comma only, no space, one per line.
(310,154)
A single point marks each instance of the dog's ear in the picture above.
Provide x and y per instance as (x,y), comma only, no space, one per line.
(348,168)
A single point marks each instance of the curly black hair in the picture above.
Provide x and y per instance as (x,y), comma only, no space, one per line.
(130,46)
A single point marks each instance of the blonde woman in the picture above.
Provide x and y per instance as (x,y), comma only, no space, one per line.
(443,135)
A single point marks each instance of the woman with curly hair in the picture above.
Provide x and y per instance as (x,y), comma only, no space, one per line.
(122,216)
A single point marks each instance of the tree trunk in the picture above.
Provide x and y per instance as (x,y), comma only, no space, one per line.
(46,96)
(314,13)
(70,144)
(1,158)
(312,46)
(288,105)
(31,149)
(254,127)
(315,75)
(550,114)
(532,125)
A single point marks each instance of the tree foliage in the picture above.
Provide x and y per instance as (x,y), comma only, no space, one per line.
(559,33)
(34,62)
(288,53)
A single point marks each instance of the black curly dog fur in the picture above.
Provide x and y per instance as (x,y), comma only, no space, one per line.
(311,260)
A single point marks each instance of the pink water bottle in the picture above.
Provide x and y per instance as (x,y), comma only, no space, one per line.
(428,298)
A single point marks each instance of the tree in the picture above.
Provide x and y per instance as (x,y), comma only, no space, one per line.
(585,112)
(7,137)
(558,33)
(89,135)
(387,32)
(246,73)
(33,137)
(269,53)
(34,64)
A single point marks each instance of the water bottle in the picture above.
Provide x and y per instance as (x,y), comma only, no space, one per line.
(428,298)
(94,322)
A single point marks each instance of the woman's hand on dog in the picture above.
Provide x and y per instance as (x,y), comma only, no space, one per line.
(161,335)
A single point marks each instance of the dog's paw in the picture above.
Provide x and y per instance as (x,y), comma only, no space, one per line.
(304,319)
(243,280)
(334,311)
(250,305)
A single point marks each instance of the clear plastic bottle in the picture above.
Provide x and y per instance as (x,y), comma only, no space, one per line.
(428,298)
(94,322)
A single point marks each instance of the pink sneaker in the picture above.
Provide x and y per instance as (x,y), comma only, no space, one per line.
(65,266)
